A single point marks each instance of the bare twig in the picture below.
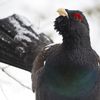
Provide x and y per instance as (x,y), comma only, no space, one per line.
(3,69)
(3,92)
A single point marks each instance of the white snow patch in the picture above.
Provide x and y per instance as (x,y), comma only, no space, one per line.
(24,20)
(11,90)
(22,37)
(22,76)
(22,31)
(50,45)
(44,63)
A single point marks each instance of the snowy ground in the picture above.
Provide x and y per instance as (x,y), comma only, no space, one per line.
(15,84)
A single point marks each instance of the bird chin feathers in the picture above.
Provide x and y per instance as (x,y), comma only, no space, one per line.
(61,25)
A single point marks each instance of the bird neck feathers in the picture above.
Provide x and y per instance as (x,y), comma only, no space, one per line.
(76,41)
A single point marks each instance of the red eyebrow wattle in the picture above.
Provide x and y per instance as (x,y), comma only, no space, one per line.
(78,16)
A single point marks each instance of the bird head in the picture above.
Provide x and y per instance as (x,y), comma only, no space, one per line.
(71,23)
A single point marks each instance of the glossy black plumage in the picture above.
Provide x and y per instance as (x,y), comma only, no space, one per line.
(68,71)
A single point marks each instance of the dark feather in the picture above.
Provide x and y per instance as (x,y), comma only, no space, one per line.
(72,70)
(38,65)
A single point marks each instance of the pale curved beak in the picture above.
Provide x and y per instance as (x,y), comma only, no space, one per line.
(62,12)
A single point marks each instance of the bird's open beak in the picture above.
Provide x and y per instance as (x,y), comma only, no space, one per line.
(62,12)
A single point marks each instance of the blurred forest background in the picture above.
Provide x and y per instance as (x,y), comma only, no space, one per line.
(15,84)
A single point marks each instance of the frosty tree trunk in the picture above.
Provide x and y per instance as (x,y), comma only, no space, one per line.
(19,43)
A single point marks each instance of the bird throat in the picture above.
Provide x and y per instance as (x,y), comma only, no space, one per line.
(73,42)
(72,84)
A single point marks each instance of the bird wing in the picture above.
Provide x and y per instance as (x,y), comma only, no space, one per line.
(39,62)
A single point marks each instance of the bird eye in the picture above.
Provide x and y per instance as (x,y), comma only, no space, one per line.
(77,16)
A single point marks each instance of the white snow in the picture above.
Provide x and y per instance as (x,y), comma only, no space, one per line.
(21,31)
(50,45)
(24,20)
(22,37)
(10,87)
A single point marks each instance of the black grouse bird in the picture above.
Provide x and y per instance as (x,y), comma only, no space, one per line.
(68,71)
